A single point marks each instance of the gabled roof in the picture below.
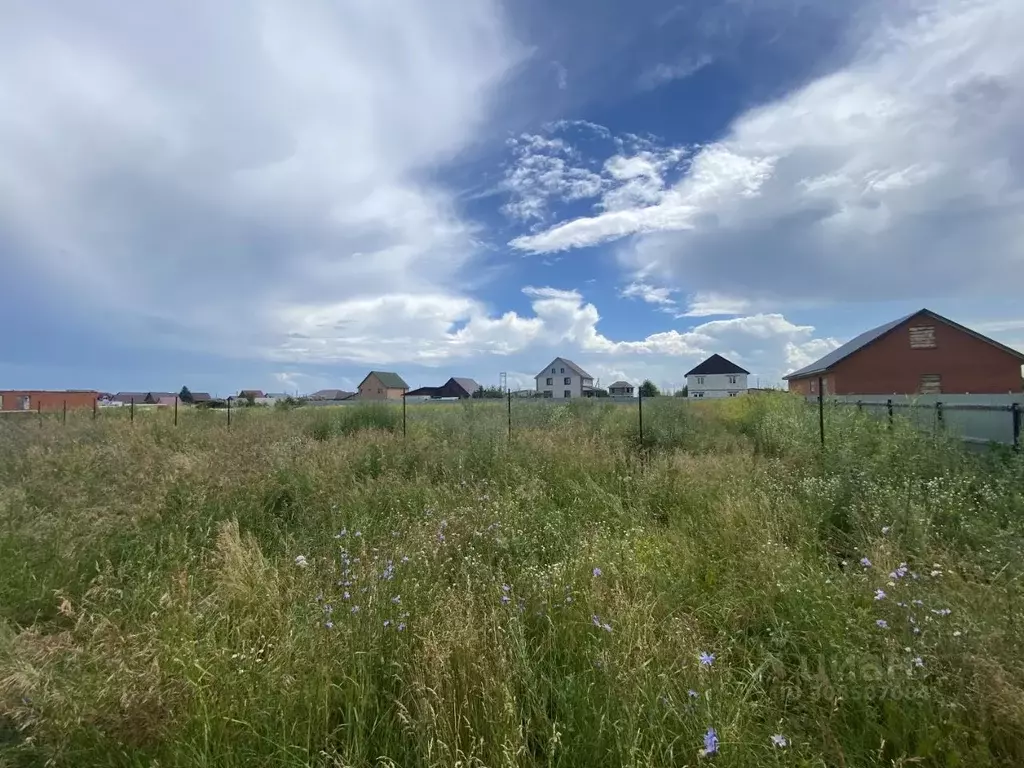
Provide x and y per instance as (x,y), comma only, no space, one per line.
(200,397)
(619,385)
(716,364)
(388,379)
(569,364)
(251,393)
(331,394)
(859,342)
(467,384)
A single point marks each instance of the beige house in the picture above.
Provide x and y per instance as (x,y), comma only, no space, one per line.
(382,385)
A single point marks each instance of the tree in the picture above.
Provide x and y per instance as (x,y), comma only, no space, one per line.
(185,396)
(489,393)
(649,389)
(684,392)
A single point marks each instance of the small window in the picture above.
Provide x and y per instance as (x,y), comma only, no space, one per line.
(567,381)
(549,381)
(552,370)
(732,379)
(931,384)
(568,393)
(561,370)
(700,379)
(732,394)
(922,337)
(814,386)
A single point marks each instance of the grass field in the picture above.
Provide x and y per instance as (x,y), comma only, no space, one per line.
(311,588)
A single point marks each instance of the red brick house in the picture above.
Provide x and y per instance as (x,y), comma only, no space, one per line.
(44,400)
(922,353)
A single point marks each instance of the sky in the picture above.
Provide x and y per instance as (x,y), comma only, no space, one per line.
(284,196)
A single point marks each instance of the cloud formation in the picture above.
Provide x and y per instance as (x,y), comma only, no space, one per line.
(873,182)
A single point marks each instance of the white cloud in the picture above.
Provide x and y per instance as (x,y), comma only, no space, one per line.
(545,169)
(649,293)
(707,304)
(900,174)
(666,73)
(221,168)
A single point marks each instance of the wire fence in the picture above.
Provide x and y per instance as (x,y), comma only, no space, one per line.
(975,419)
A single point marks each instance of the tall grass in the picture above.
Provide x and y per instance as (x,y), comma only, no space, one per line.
(186,596)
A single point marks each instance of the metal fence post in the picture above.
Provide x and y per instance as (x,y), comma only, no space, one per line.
(403,416)
(860,406)
(510,415)
(888,405)
(39,412)
(640,411)
(131,412)
(821,410)
(64,416)
(940,420)
(95,405)
(175,410)
(1015,413)
(229,413)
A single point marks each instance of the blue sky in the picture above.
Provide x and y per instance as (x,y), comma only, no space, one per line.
(285,196)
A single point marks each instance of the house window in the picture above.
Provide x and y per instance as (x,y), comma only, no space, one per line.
(700,379)
(567,381)
(931,384)
(549,381)
(922,337)
(568,393)
(732,379)
(552,370)
(561,370)
(814,386)
(732,394)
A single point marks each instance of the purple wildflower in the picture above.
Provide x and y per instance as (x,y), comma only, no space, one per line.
(917,661)
(355,609)
(882,623)
(692,694)
(358,534)
(597,572)
(707,659)
(595,620)
(405,558)
(401,626)
(779,740)
(505,599)
(886,529)
(710,742)
(328,609)
(329,624)
(396,599)
(942,611)
(606,627)
(505,587)
(879,594)
(341,534)
(387,623)
(345,595)
(865,562)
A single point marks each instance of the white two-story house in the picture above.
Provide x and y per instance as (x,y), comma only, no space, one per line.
(716,377)
(563,379)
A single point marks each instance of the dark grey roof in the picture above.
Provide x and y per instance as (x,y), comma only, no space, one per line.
(841,353)
(200,397)
(331,394)
(127,397)
(619,385)
(716,364)
(859,342)
(467,384)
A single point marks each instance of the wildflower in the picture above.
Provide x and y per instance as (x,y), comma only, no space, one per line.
(882,623)
(505,587)
(396,599)
(320,597)
(341,534)
(405,558)
(606,627)
(942,611)
(918,661)
(707,659)
(355,609)
(301,561)
(597,572)
(916,630)
(505,599)
(710,742)
(440,537)
(345,595)
(957,633)
(328,609)
(401,626)
(568,599)
(879,594)
(936,573)
(865,562)
(394,534)
(387,623)
(595,620)
(389,572)
(692,694)
(358,534)
(918,603)
(779,740)
(329,624)
(886,529)
(901,605)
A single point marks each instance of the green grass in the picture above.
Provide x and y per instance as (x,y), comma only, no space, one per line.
(152,611)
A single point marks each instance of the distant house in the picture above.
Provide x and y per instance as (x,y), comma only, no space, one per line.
(921,353)
(461,388)
(247,394)
(142,398)
(382,385)
(716,377)
(336,395)
(563,379)
(47,400)
(201,397)
(621,389)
